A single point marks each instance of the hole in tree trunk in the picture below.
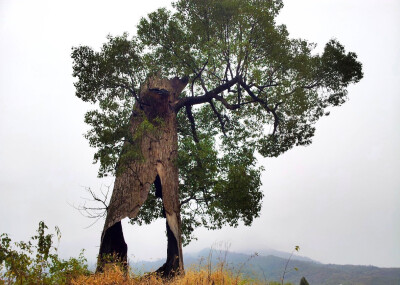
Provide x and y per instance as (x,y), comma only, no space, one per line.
(157,185)
(113,248)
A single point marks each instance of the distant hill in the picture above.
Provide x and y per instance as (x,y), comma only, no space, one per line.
(282,254)
(270,267)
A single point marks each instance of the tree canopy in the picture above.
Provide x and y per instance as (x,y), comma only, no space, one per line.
(251,89)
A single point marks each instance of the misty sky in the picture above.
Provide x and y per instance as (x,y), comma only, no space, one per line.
(338,199)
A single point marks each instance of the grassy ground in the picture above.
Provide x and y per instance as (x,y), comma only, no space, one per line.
(114,275)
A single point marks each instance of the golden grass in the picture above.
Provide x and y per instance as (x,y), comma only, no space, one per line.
(113,275)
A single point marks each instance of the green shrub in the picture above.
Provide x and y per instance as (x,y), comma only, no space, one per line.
(37,261)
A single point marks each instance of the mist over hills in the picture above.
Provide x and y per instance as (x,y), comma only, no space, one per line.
(283,254)
(270,264)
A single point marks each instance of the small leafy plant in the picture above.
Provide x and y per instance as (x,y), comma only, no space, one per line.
(296,248)
(37,261)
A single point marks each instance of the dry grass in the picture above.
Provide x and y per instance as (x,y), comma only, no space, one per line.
(114,275)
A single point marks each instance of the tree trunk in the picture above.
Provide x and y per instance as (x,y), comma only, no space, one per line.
(171,266)
(132,184)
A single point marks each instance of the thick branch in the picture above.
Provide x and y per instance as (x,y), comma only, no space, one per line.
(212,94)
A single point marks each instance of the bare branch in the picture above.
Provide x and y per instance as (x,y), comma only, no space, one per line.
(95,212)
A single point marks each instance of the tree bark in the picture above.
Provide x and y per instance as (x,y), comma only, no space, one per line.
(132,185)
(171,267)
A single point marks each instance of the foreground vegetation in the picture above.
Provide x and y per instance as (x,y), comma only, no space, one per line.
(114,275)
(37,262)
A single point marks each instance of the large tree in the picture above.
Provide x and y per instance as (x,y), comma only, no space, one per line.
(201,89)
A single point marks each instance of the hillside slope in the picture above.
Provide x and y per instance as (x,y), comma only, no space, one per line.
(271,268)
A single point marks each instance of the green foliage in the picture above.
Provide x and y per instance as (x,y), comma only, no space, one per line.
(109,74)
(278,89)
(150,211)
(216,41)
(110,78)
(110,128)
(304,281)
(37,261)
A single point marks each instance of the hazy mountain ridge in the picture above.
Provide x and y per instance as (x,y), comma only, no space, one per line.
(271,267)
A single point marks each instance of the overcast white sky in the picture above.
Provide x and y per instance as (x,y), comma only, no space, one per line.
(338,199)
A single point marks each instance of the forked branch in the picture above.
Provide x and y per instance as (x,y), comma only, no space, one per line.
(100,207)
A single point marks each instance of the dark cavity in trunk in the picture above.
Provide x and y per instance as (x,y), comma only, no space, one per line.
(113,247)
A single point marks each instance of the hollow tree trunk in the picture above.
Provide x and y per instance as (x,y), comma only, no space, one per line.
(132,185)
